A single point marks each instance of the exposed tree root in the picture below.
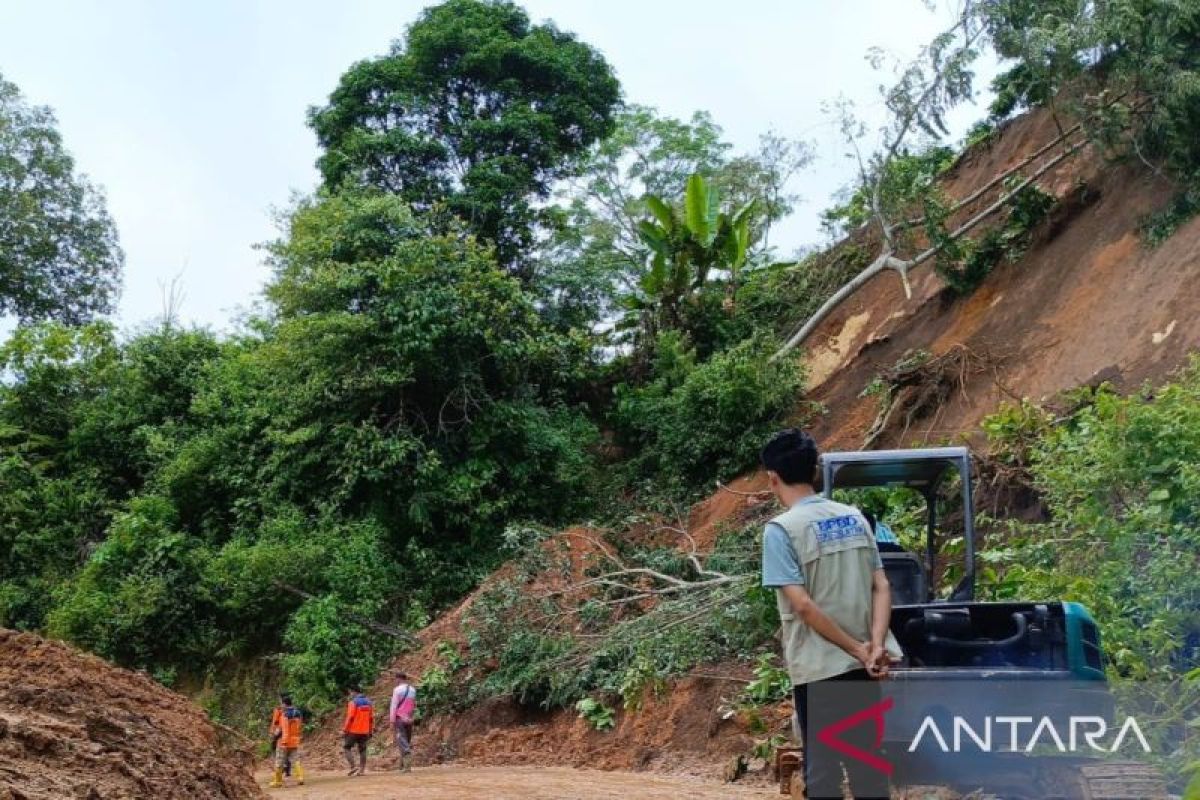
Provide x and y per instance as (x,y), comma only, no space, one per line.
(920,384)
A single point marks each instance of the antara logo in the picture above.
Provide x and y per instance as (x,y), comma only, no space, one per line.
(1023,734)
(1080,730)
(828,735)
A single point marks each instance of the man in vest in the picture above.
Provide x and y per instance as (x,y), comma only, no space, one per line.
(834,607)
(287,724)
(401,711)
(357,730)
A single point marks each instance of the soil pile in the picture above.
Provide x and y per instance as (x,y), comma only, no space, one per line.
(73,726)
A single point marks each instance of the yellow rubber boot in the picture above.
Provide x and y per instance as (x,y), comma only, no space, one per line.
(277,779)
(298,773)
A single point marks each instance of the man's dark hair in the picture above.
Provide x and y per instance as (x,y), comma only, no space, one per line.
(401,675)
(356,688)
(286,699)
(792,455)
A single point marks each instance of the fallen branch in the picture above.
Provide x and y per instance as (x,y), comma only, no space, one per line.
(760,493)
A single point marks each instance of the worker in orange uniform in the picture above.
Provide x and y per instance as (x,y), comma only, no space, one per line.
(357,730)
(276,729)
(287,724)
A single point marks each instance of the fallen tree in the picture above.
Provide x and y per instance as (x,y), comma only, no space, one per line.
(929,88)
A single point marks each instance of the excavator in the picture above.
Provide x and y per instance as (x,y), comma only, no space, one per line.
(1009,698)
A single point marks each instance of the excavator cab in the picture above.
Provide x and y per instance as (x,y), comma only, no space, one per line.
(923,471)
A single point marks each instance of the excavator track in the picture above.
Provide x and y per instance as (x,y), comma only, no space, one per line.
(1121,780)
(1099,780)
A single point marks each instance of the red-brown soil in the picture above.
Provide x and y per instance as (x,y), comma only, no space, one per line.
(1088,300)
(73,727)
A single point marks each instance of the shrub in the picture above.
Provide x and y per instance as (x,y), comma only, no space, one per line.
(964,263)
(695,422)
(598,715)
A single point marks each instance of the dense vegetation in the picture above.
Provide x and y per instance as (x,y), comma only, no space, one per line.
(515,299)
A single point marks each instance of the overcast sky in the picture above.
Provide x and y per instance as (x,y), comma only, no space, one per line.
(191,115)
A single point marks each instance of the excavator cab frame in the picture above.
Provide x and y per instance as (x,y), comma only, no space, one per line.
(922,470)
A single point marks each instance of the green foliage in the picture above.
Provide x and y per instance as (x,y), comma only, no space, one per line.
(964,263)
(686,245)
(522,643)
(476,110)
(80,421)
(979,134)
(1120,483)
(1129,68)
(437,692)
(59,255)
(906,179)
(598,715)
(595,249)
(135,601)
(1161,225)
(771,682)
(691,423)
(1046,40)
(342,469)
(1119,478)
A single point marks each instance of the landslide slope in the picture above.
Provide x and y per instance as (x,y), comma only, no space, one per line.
(1088,301)
(74,726)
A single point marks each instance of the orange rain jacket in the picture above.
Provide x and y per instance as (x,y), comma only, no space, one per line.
(359,715)
(291,724)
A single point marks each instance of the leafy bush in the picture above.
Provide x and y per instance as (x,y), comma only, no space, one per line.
(598,715)
(135,601)
(437,691)
(964,263)
(908,177)
(695,422)
(1121,480)
(1161,225)
(771,682)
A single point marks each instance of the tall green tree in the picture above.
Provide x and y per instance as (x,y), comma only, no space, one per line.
(477,111)
(59,255)
(85,422)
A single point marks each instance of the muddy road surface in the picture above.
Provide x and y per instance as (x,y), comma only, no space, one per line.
(510,783)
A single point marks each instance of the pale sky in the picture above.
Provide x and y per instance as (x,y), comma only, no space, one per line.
(191,115)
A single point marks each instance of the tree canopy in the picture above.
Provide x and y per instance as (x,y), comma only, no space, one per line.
(59,255)
(477,111)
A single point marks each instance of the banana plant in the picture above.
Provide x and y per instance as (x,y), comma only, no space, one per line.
(685,245)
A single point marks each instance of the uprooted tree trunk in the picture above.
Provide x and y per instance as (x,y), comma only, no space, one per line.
(888,259)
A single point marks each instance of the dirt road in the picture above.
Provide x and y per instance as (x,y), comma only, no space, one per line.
(512,783)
